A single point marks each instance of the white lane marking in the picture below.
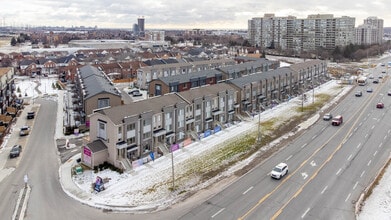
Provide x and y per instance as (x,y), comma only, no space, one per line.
(350,135)
(389,131)
(74,150)
(340,169)
(358,146)
(355,185)
(369,163)
(374,154)
(355,130)
(313,163)
(348,197)
(313,137)
(350,157)
(305,213)
(385,137)
(289,158)
(362,174)
(217,212)
(373,126)
(304,175)
(360,124)
(366,135)
(380,144)
(323,128)
(324,189)
(248,190)
(304,145)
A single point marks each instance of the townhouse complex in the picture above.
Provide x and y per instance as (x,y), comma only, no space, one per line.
(316,32)
(130,135)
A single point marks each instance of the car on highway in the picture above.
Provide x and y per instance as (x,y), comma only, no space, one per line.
(389,93)
(327,117)
(337,120)
(371,77)
(279,171)
(369,89)
(15,151)
(375,81)
(24,130)
(380,105)
(358,94)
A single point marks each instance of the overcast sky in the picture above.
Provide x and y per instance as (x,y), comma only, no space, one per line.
(183,14)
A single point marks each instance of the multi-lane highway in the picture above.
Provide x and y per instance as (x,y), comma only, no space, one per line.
(329,166)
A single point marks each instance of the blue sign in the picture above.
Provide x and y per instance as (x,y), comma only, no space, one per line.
(207,133)
(217,129)
(152,156)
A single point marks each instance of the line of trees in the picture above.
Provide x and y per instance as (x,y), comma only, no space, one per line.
(20,39)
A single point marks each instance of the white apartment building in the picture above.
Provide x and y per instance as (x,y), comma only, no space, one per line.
(371,32)
(316,32)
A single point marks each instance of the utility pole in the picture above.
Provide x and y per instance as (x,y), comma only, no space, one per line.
(259,125)
(172,168)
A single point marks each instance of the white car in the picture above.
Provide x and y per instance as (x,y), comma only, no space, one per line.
(279,171)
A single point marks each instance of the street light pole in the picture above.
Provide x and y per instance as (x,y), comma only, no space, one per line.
(172,169)
(259,125)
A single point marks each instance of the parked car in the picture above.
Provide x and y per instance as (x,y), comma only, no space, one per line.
(25,130)
(380,105)
(30,115)
(15,151)
(358,94)
(279,171)
(327,117)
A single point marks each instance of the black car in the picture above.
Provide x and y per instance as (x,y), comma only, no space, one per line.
(358,94)
(15,151)
(30,115)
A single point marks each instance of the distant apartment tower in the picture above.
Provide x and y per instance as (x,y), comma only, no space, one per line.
(141,25)
(316,32)
(371,32)
(139,28)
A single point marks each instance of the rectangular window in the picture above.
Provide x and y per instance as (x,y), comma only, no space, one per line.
(103,102)
(102,130)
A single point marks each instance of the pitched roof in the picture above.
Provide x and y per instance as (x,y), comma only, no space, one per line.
(155,104)
(96,82)
(241,81)
(182,78)
(97,146)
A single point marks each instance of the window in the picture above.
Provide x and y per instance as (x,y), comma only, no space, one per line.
(146,135)
(158,89)
(102,130)
(130,127)
(131,140)
(103,102)
(119,133)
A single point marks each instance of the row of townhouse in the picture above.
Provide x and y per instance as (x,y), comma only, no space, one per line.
(128,135)
(146,74)
(261,90)
(183,82)
(9,102)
